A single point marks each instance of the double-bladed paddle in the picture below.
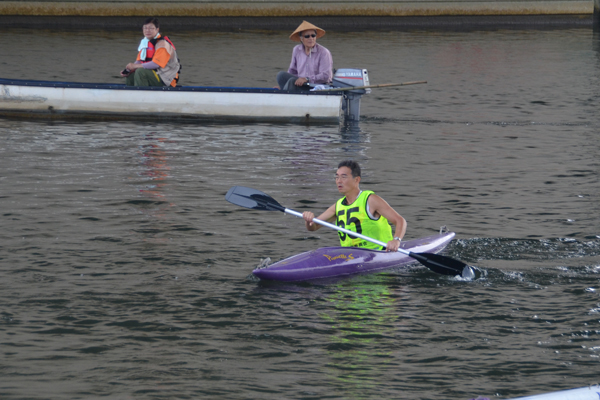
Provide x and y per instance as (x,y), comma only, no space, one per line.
(257,200)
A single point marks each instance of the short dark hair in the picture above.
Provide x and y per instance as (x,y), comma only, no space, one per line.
(353,165)
(153,21)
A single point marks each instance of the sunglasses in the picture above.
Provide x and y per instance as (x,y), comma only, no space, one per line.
(309,36)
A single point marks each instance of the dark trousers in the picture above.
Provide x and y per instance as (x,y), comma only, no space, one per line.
(286,81)
(144,77)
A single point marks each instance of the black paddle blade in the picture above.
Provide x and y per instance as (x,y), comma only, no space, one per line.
(440,264)
(252,198)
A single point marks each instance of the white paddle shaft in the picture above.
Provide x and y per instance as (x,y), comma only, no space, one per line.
(349,232)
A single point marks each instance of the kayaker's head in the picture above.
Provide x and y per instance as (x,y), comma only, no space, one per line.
(150,28)
(347,177)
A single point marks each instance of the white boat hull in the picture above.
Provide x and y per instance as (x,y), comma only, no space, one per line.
(250,104)
(584,393)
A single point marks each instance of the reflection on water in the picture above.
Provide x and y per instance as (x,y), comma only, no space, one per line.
(354,141)
(156,170)
(363,317)
(154,186)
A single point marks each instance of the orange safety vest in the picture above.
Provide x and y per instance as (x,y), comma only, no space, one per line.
(152,48)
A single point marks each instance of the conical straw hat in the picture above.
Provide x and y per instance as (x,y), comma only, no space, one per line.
(305,26)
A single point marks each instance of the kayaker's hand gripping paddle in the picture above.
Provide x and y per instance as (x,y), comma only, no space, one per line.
(257,200)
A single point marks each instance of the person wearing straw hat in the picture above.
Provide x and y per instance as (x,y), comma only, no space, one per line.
(311,63)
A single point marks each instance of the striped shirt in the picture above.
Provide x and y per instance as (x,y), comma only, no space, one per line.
(317,66)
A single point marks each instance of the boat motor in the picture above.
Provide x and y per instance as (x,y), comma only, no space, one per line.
(347,78)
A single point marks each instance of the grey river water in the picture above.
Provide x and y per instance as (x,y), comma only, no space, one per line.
(124,272)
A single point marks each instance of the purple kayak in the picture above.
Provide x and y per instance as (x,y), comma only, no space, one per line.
(331,262)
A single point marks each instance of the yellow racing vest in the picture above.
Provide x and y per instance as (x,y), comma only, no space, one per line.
(354,217)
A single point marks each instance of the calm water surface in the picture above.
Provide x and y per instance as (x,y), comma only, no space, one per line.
(124,272)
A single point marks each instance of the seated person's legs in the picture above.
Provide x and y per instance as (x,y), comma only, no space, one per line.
(144,77)
(283,79)
(287,81)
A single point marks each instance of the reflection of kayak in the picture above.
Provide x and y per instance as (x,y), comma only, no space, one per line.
(584,393)
(331,262)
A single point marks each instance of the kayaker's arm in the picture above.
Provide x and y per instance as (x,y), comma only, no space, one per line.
(328,215)
(379,206)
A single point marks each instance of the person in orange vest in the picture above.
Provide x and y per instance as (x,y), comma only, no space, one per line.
(157,63)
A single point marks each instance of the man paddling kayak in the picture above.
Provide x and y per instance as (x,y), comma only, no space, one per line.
(257,200)
(360,211)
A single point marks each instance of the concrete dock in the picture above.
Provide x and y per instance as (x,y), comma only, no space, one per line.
(281,14)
